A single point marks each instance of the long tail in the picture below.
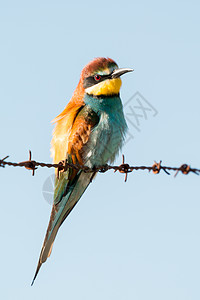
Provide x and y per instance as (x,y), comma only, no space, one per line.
(69,194)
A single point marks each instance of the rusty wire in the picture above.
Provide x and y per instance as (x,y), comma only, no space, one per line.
(123,168)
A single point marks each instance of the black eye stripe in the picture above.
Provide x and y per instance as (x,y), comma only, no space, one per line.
(90,81)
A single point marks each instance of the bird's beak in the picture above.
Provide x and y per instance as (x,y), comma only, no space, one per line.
(119,72)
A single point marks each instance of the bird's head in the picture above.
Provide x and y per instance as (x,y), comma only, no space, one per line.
(101,77)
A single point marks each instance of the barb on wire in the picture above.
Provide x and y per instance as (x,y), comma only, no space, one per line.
(124,168)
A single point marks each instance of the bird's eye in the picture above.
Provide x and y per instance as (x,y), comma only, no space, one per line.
(97,77)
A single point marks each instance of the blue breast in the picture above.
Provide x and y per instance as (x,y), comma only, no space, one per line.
(107,137)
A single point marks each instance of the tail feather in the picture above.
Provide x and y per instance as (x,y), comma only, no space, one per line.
(60,212)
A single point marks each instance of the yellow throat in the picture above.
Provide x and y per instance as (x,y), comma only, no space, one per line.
(107,87)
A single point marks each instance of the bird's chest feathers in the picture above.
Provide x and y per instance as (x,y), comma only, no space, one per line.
(107,137)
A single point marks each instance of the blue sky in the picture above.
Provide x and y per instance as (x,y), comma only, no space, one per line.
(135,240)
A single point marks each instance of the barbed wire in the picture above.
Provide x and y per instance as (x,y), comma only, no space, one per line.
(123,168)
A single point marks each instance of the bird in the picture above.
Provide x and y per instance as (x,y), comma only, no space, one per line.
(90,132)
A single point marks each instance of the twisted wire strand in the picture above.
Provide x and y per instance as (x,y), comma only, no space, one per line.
(123,168)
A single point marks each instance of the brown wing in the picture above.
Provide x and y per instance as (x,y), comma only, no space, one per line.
(83,124)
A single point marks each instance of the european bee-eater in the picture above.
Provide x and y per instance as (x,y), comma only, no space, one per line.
(90,131)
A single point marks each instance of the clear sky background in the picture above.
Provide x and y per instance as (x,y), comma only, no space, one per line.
(136,240)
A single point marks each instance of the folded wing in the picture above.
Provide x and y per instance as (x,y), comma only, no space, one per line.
(71,184)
